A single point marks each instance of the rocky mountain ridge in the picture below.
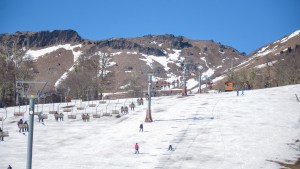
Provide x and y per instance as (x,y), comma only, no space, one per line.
(56,54)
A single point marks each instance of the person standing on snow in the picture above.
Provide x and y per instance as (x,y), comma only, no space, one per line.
(1,138)
(243,90)
(40,116)
(136,147)
(20,122)
(9,167)
(141,127)
(170,147)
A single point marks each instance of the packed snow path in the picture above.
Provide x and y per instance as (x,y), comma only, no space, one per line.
(217,130)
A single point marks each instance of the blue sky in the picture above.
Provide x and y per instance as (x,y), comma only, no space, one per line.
(243,24)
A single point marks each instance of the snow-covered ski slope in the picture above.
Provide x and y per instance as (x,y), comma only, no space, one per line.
(207,131)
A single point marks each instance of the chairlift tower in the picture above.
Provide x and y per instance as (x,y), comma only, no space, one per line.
(184,80)
(148,115)
(200,74)
(30,90)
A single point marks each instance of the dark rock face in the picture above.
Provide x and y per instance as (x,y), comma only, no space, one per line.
(42,39)
(121,44)
(46,38)
(176,42)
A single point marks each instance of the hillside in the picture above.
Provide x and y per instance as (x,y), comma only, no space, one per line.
(213,130)
(275,64)
(87,69)
(56,54)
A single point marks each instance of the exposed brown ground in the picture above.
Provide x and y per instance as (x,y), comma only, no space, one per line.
(296,165)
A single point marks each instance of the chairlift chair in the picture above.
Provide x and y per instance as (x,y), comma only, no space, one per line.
(106,113)
(3,133)
(96,115)
(102,102)
(92,105)
(115,111)
(18,113)
(70,116)
(52,111)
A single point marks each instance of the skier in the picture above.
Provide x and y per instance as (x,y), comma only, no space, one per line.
(126,109)
(170,147)
(1,134)
(9,167)
(136,147)
(20,122)
(61,117)
(242,91)
(40,115)
(83,117)
(56,116)
(132,106)
(141,127)
(142,102)
(26,124)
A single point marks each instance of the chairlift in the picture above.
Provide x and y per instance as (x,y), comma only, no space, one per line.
(92,105)
(70,116)
(85,117)
(4,133)
(19,113)
(58,115)
(115,111)
(80,107)
(37,109)
(96,115)
(102,102)
(52,111)
(106,113)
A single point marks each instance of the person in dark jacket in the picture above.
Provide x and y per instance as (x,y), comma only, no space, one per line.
(141,127)
(9,167)
(1,139)
(170,147)
(20,122)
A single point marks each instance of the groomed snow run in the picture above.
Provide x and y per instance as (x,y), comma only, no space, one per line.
(207,131)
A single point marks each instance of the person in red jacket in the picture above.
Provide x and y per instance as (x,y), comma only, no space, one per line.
(136,147)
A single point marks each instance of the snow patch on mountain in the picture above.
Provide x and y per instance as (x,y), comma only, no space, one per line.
(265,64)
(35,54)
(296,33)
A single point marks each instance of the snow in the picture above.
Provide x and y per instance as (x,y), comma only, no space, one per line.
(174,56)
(62,78)
(35,54)
(116,53)
(208,130)
(134,53)
(111,64)
(218,78)
(125,86)
(296,33)
(160,44)
(265,64)
(149,59)
(209,72)
(222,52)
(191,83)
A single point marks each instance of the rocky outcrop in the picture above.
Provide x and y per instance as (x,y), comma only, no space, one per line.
(41,39)
(121,44)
